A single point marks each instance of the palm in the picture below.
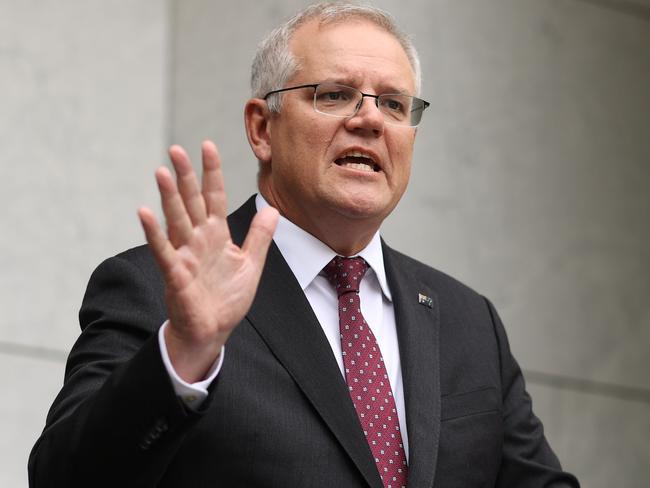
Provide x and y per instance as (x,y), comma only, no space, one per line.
(214,272)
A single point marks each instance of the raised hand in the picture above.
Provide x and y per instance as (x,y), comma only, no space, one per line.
(210,281)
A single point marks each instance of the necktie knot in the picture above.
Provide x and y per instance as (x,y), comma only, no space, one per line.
(345,274)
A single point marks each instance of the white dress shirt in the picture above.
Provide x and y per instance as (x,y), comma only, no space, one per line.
(306,257)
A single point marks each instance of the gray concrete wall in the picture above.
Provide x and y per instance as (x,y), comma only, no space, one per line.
(83,97)
(529,183)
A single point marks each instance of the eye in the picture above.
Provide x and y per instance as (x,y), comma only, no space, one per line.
(333,96)
(394,104)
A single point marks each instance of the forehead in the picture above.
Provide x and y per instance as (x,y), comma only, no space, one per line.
(354,51)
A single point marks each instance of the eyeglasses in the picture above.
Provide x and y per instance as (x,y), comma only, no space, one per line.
(344,101)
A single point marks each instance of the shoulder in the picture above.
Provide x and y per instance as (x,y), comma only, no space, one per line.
(137,260)
(455,301)
(139,257)
(130,270)
(421,272)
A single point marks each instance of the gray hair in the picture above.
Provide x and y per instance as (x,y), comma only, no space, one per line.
(274,64)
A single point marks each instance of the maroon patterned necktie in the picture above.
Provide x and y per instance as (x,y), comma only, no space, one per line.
(366,375)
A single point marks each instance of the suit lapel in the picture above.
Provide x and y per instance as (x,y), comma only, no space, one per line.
(283,317)
(417,331)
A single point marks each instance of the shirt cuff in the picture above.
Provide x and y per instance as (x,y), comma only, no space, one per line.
(192,394)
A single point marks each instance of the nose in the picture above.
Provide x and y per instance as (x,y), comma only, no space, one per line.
(367,118)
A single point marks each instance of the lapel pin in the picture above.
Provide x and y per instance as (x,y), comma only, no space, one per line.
(425,300)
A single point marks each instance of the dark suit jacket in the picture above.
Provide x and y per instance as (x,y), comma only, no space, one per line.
(279,414)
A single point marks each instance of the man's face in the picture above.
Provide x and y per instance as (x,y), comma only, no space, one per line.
(313,180)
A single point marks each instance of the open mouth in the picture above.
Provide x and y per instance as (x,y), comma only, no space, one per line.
(357,160)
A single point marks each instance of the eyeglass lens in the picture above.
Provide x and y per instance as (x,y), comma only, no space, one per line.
(345,101)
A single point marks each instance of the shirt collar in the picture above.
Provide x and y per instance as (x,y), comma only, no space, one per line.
(307,256)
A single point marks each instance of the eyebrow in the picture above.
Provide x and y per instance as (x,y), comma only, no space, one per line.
(352,81)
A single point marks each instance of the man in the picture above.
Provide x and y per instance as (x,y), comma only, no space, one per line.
(296,368)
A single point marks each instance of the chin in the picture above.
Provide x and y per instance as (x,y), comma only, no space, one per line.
(359,208)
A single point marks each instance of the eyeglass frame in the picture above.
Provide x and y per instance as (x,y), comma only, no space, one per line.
(359,104)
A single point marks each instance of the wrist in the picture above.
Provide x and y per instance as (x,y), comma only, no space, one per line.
(191,359)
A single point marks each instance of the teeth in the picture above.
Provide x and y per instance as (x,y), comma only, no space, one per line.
(359,166)
(356,154)
(358,160)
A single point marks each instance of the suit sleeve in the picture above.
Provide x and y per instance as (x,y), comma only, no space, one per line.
(117,420)
(528,460)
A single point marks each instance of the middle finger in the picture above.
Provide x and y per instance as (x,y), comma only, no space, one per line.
(188,185)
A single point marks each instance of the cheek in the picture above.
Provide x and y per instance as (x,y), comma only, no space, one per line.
(401,156)
(302,149)
(310,138)
(320,132)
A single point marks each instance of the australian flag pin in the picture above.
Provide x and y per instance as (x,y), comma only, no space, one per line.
(425,300)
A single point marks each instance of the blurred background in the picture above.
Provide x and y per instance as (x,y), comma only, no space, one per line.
(530,183)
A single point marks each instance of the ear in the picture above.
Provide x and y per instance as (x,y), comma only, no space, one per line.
(257,118)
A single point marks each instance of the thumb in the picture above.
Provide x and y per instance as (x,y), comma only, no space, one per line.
(260,235)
